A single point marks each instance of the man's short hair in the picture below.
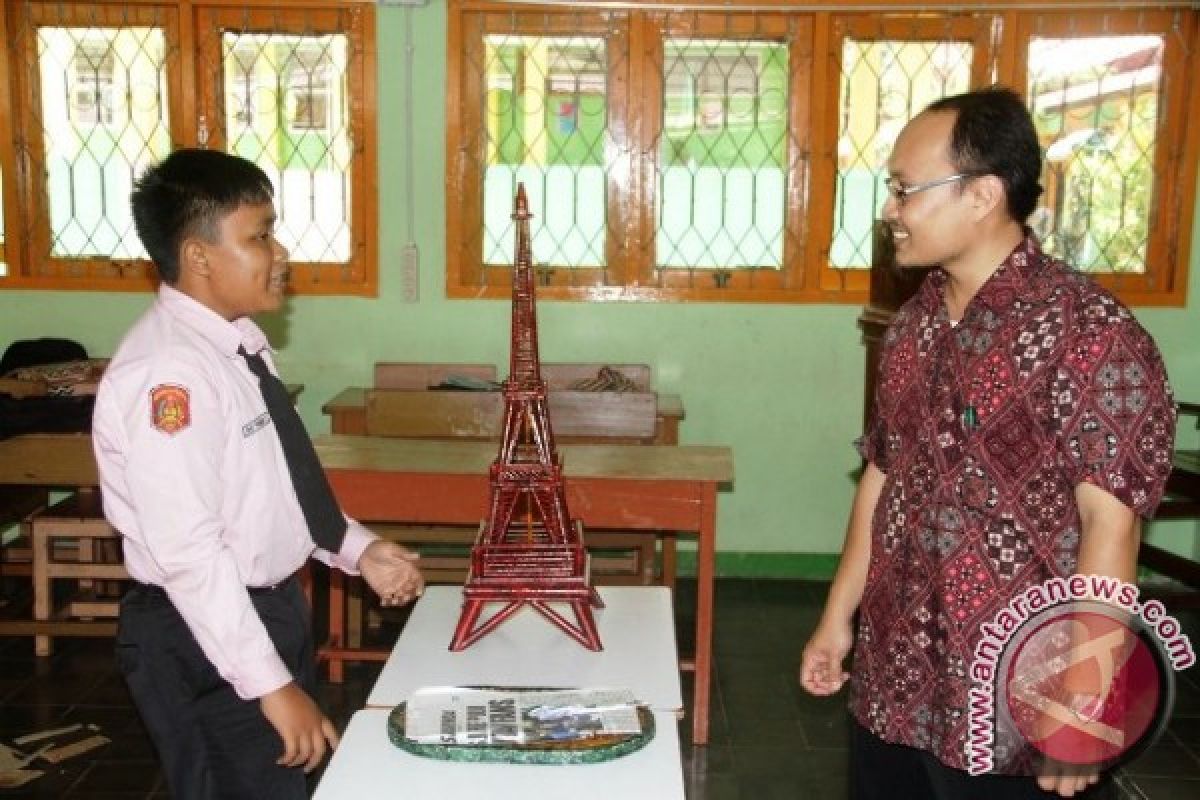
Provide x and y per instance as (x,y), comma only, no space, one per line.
(994,135)
(187,194)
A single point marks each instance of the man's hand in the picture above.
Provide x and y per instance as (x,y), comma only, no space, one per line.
(301,725)
(1065,779)
(821,671)
(392,572)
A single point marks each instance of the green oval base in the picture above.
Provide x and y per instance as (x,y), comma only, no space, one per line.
(580,751)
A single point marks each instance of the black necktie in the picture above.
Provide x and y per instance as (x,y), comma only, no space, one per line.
(321,512)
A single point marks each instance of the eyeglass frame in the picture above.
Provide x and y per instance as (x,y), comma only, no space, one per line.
(901,192)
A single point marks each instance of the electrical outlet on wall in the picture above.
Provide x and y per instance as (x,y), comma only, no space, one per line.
(410,272)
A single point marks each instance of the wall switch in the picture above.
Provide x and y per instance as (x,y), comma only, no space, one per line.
(410,271)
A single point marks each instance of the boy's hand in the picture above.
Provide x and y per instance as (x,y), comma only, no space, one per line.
(392,572)
(301,725)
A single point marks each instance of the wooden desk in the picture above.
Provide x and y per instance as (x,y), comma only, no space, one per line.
(651,488)
(347,414)
(637,629)
(367,766)
(59,460)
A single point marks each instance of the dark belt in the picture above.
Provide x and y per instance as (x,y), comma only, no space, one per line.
(154,590)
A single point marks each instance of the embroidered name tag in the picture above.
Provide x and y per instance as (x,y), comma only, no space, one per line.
(257,424)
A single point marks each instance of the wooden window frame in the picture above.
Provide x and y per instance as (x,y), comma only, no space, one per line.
(10,249)
(193,97)
(806,276)
(1164,283)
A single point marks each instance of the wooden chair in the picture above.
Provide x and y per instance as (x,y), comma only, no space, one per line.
(93,567)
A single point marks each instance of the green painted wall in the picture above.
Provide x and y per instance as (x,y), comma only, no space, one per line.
(781,384)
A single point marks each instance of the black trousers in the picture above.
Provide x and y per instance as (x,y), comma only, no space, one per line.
(213,745)
(880,770)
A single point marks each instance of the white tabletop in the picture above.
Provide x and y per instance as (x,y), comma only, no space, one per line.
(637,631)
(367,765)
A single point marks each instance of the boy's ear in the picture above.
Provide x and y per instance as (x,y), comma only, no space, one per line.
(194,257)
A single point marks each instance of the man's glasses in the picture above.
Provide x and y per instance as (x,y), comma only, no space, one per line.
(902,191)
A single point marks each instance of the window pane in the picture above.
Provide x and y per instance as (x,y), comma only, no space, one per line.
(285,110)
(546,123)
(721,182)
(884,84)
(1095,104)
(104,118)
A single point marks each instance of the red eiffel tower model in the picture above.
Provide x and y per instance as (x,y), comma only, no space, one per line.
(529,550)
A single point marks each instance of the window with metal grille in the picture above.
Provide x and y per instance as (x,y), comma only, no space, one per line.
(100,95)
(93,146)
(545,126)
(721,183)
(284,110)
(1095,101)
(738,153)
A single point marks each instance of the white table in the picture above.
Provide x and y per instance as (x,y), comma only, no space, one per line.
(637,630)
(367,765)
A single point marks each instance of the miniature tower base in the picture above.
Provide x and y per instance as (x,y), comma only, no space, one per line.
(491,581)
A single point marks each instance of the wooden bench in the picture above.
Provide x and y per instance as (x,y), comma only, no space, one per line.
(575,416)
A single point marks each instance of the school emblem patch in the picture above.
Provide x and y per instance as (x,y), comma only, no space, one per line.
(169,408)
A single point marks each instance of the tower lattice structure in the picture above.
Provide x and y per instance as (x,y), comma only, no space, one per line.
(529,551)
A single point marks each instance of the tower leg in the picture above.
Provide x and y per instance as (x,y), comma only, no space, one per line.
(466,622)
(583,630)
(466,634)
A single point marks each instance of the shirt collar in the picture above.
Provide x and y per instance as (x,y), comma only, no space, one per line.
(226,336)
(1011,280)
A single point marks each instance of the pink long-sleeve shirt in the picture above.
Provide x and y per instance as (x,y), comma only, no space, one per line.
(193,476)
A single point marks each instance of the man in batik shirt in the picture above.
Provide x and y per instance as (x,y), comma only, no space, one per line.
(1022,429)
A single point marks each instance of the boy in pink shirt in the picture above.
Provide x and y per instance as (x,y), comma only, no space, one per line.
(215,639)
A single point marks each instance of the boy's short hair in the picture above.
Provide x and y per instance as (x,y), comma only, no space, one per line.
(185,195)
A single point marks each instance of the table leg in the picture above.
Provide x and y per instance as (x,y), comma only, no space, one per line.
(337,624)
(705,574)
(668,560)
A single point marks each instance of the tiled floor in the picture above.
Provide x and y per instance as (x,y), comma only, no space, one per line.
(769,739)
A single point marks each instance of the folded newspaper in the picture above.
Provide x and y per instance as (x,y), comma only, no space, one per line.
(460,716)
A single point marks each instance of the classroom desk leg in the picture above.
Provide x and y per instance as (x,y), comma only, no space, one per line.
(337,623)
(705,576)
(669,560)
